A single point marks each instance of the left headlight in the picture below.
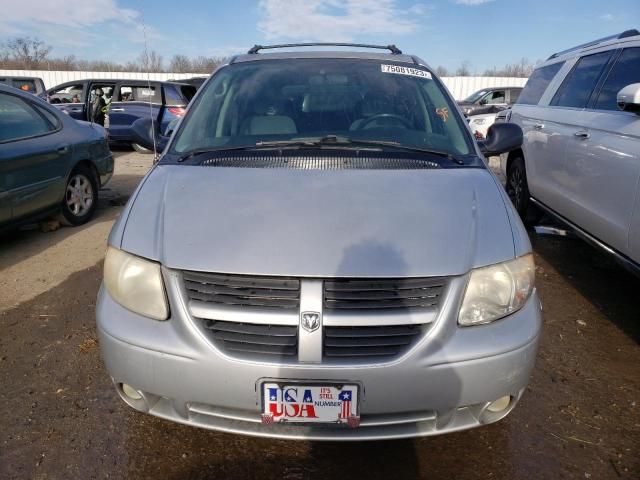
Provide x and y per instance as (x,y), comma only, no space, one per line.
(136,284)
(496,291)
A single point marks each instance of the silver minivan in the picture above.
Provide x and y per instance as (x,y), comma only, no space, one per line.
(321,253)
(580,159)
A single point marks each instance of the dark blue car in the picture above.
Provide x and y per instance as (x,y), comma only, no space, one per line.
(49,163)
(122,102)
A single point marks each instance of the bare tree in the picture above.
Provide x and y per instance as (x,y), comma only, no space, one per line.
(27,52)
(523,69)
(464,70)
(206,64)
(180,64)
(442,71)
(150,61)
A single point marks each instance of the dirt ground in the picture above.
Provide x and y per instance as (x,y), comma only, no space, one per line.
(61,418)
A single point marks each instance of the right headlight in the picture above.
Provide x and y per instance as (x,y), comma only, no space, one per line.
(496,291)
(136,284)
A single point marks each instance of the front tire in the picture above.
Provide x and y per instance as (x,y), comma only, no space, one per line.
(518,191)
(80,197)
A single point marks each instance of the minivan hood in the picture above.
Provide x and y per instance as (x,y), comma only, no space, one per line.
(318,223)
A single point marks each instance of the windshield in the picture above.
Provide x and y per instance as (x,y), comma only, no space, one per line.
(279,100)
(474,97)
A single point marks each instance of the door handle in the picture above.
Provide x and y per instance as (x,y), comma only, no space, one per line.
(117,109)
(75,110)
(582,135)
(539,126)
(63,149)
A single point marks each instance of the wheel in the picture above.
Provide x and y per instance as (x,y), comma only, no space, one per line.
(140,149)
(518,191)
(80,197)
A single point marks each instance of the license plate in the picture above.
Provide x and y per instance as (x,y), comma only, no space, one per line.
(310,404)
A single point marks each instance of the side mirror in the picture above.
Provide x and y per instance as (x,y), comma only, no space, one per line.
(501,138)
(629,98)
(484,101)
(145,130)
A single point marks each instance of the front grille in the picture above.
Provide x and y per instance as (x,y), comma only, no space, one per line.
(371,342)
(243,290)
(383,293)
(250,340)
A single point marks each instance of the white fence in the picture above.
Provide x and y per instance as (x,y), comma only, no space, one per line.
(460,87)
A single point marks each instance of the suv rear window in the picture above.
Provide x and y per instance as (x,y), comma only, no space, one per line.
(579,84)
(266,100)
(178,95)
(26,85)
(538,83)
(625,72)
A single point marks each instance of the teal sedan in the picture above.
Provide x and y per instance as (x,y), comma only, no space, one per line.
(50,163)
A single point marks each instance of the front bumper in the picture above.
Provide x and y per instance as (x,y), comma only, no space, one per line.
(443,384)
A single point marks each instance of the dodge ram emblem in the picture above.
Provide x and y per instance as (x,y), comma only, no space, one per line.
(310,321)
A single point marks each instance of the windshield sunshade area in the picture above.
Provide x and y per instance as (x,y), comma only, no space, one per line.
(283,100)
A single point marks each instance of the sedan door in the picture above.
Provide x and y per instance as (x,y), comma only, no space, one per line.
(33,157)
(71,99)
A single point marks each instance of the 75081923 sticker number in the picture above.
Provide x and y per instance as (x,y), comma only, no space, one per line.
(413,72)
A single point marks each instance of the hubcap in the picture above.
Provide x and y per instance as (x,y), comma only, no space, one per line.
(79,195)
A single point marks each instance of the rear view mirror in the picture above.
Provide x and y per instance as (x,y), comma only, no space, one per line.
(629,98)
(501,138)
(146,132)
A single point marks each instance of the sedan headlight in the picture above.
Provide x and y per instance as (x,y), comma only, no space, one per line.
(136,284)
(497,290)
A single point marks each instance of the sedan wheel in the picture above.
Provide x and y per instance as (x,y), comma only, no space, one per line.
(80,197)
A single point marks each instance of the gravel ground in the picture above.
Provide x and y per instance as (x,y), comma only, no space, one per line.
(61,418)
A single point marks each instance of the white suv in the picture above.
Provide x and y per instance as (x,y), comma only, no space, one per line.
(580,159)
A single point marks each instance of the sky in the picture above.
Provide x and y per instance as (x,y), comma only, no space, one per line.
(485,33)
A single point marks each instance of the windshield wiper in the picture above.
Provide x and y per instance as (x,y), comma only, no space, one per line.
(330,140)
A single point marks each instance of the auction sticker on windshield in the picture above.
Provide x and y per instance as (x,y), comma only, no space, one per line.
(413,72)
(310,404)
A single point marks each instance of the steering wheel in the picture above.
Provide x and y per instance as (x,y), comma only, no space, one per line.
(390,117)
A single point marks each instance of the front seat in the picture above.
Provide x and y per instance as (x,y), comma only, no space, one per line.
(268,119)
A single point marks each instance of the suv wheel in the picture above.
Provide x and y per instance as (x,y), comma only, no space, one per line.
(80,197)
(140,149)
(518,191)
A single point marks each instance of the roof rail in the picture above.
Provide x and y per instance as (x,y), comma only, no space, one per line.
(392,48)
(625,34)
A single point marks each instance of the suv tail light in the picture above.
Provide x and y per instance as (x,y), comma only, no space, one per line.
(177,111)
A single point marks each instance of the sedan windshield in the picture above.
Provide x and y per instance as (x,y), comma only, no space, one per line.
(474,97)
(283,100)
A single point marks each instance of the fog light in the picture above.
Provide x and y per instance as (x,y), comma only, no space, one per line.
(131,392)
(500,404)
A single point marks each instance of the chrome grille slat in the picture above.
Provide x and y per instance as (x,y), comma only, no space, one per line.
(243,290)
(254,339)
(373,294)
(369,342)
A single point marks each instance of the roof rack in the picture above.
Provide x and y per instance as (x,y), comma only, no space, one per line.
(625,34)
(392,48)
